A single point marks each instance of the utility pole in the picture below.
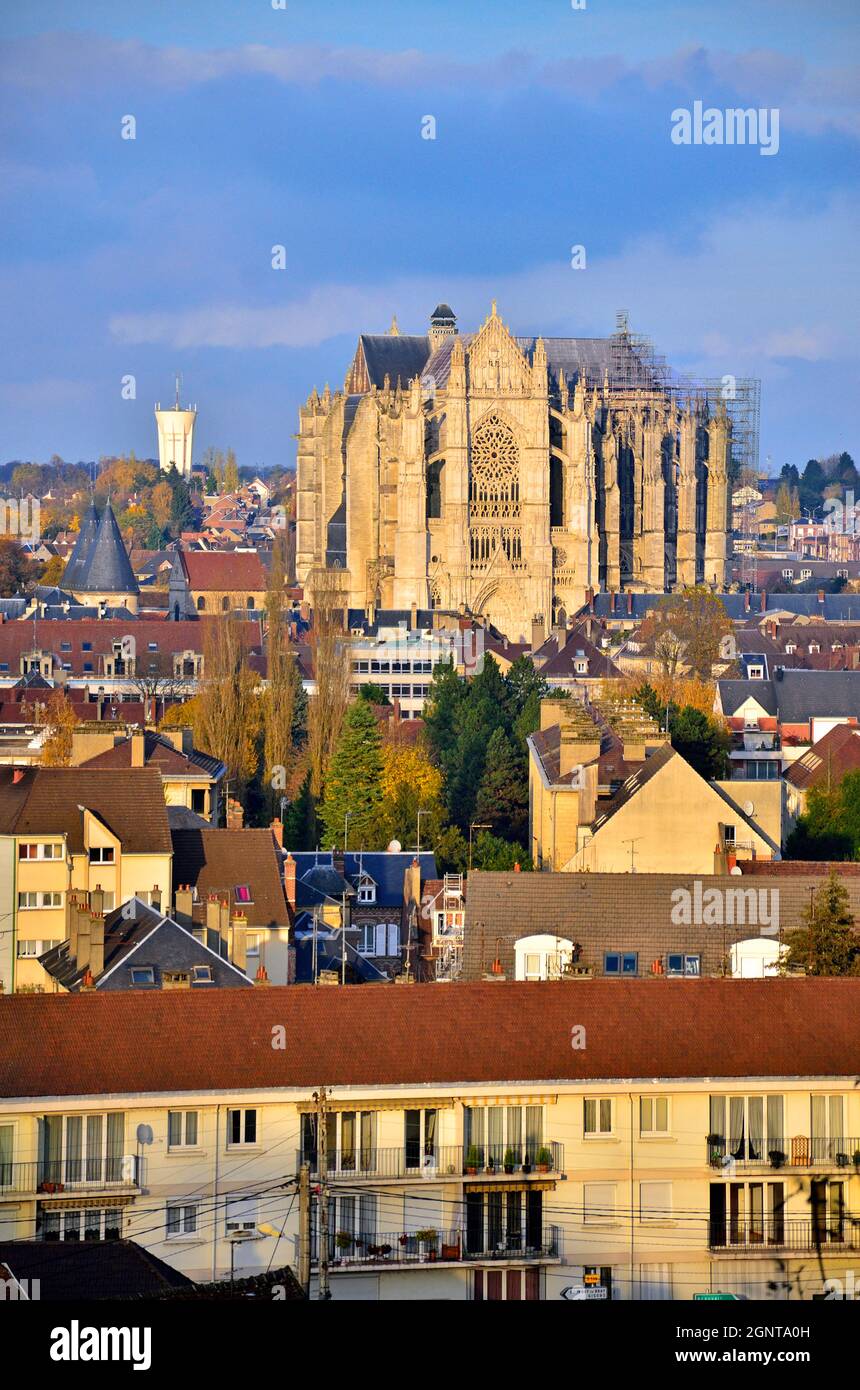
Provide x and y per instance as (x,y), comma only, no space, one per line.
(322,1158)
(305,1228)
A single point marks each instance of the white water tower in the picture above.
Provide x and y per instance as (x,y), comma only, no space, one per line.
(175,436)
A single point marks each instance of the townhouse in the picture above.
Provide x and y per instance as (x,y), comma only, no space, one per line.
(483,1142)
(65,830)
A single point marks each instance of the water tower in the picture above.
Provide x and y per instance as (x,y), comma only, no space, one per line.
(175,436)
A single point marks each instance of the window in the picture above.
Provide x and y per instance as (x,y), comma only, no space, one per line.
(91,1224)
(505,1135)
(655,1201)
(31,900)
(755,1127)
(241,1127)
(679,964)
(152,646)
(597,1116)
(181,1129)
(729,835)
(51,851)
(252,944)
(653,1115)
(366,938)
(31,949)
(83,1149)
(201,974)
(181,1219)
(101,854)
(367,891)
(598,1203)
(142,975)
(241,1211)
(86,646)
(806,574)
(621,963)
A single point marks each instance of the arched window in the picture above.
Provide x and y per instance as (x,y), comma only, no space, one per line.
(249,603)
(225,605)
(542,957)
(201,604)
(556,492)
(434,488)
(495,481)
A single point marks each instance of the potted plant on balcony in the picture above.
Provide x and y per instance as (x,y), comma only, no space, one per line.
(428,1239)
(491,1164)
(510,1161)
(857,1158)
(527,1162)
(544,1160)
(472,1160)
(715,1144)
(777,1157)
(842,1160)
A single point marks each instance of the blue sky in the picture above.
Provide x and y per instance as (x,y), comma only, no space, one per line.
(302,127)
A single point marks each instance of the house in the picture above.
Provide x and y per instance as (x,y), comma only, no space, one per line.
(492,1141)
(190,778)
(54,1270)
(74,830)
(377,895)
(651,926)
(137,947)
(608,793)
(823,766)
(225,581)
(241,871)
(792,709)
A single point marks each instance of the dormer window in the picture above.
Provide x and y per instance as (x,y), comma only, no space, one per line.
(367,891)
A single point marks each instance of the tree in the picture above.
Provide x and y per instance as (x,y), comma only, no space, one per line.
(702,741)
(17,571)
(283,700)
(410,783)
(181,506)
(827,943)
(688,628)
(228,716)
(60,723)
(301,826)
(353,784)
(491,852)
(161,502)
(231,472)
(156,680)
(787,504)
(503,796)
(447,692)
(331,671)
(829,829)
(451,850)
(53,572)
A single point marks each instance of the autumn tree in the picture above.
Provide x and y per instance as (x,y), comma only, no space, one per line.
(687,629)
(228,716)
(17,571)
(327,705)
(60,723)
(283,702)
(410,783)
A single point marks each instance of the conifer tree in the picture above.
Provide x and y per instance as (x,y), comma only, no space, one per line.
(827,943)
(503,796)
(353,783)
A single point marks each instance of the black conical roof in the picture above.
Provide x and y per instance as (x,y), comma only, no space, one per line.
(443,312)
(106,567)
(86,536)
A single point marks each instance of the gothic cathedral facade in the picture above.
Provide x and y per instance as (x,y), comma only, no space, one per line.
(506,477)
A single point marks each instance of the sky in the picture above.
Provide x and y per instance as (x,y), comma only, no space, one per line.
(299,125)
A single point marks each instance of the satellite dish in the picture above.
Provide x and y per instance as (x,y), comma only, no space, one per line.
(144,1134)
(737,871)
(749,808)
(394,847)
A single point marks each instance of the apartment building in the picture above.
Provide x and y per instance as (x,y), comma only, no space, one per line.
(73,829)
(482,1142)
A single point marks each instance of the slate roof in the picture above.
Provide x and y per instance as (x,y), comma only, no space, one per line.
(86,536)
(104,566)
(316,874)
(560,654)
(219,861)
(106,1269)
(47,801)
(834,608)
(183,1041)
(395,355)
(797,695)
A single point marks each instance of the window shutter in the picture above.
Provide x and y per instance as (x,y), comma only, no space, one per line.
(380,939)
(393,939)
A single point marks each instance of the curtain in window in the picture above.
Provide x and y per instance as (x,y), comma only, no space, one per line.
(534,1130)
(834,1116)
(347,1140)
(115,1138)
(837,1211)
(515,1132)
(736,1127)
(5,1155)
(819,1120)
(495,1135)
(430,1118)
(94,1148)
(368,1141)
(755,1106)
(514,1220)
(775,1124)
(756,1221)
(776,1212)
(474,1131)
(50,1148)
(74,1148)
(494,1220)
(367,1217)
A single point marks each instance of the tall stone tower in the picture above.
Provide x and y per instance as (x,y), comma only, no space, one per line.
(175,436)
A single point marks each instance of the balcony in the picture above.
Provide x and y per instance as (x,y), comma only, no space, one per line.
(436,1247)
(791,1154)
(59,1178)
(804,1237)
(442,1163)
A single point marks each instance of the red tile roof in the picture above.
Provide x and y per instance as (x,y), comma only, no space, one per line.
(49,801)
(827,760)
(224,570)
(115,1044)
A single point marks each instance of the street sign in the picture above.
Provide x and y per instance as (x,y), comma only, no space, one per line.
(578,1293)
(591,1279)
(710,1297)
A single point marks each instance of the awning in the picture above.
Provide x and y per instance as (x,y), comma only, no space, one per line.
(476,1101)
(307,1107)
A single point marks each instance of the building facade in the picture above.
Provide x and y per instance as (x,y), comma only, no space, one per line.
(507,475)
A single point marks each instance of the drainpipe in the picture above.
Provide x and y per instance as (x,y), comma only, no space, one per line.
(215,1196)
(632,1212)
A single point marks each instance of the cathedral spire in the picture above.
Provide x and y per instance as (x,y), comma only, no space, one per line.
(394,331)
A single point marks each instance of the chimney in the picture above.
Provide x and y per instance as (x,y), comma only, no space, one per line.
(184,909)
(746,600)
(73,910)
(338,859)
(589,598)
(97,900)
(213,922)
(82,955)
(238,929)
(290,881)
(235,814)
(538,632)
(612,598)
(87,981)
(278,832)
(630,603)
(97,943)
(155,897)
(224,928)
(412,883)
(820,595)
(138,750)
(18,775)
(414,616)
(764,600)
(261,977)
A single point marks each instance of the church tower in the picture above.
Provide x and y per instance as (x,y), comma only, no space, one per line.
(102,573)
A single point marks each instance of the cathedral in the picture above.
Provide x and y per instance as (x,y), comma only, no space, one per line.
(506,476)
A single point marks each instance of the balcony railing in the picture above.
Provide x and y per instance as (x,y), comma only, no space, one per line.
(443,1161)
(798,1152)
(55,1177)
(778,1234)
(437,1247)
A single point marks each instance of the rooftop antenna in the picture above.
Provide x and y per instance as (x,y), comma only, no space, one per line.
(178,384)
